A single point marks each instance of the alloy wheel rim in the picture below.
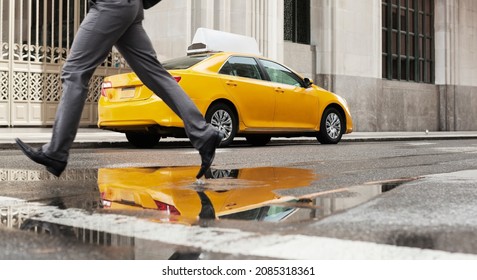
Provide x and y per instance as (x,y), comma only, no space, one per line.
(222,120)
(333,126)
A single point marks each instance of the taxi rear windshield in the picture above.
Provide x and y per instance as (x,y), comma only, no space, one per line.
(183,62)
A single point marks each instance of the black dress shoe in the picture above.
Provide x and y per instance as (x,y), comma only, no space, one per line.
(53,166)
(207,153)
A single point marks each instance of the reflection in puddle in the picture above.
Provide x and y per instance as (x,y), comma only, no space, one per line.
(246,194)
(242,194)
(171,194)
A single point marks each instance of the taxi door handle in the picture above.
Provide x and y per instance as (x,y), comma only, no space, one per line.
(279,90)
(231,83)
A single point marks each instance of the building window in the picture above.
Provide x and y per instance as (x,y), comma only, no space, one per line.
(297,21)
(408,40)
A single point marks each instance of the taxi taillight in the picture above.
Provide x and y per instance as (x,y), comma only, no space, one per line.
(170,209)
(177,78)
(106,203)
(104,87)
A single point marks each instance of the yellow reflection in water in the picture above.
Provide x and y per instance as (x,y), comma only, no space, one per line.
(225,192)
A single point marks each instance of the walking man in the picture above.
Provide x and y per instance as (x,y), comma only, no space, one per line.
(117,23)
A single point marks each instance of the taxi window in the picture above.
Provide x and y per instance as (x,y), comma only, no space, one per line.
(240,66)
(281,74)
(183,62)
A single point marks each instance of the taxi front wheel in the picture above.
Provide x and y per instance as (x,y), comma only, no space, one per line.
(143,140)
(331,127)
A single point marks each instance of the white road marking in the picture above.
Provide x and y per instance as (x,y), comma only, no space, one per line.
(420,143)
(469,150)
(223,240)
(218,151)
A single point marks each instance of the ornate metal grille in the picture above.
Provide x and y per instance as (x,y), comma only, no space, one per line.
(52,87)
(3,85)
(94,89)
(35,38)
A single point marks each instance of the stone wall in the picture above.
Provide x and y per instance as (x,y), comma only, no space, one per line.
(382,105)
(298,57)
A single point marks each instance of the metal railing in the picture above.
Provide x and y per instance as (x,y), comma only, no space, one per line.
(35,39)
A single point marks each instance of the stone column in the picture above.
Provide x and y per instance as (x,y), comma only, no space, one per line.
(446,33)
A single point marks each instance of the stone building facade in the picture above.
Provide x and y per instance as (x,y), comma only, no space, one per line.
(347,49)
(403,65)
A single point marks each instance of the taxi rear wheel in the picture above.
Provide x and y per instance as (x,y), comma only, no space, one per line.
(143,140)
(331,127)
(224,119)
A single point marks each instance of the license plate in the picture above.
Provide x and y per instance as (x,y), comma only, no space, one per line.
(127,92)
(127,197)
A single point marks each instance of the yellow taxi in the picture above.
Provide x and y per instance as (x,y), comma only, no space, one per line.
(242,94)
(225,194)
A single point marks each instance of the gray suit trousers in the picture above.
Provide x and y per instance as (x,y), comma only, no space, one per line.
(117,23)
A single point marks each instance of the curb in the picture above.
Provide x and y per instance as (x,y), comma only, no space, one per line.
(182,142)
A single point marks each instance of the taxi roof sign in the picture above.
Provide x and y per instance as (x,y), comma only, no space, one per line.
(209,40)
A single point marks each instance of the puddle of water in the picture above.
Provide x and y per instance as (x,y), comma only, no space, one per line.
(235,194)
(243,194)
(169,195)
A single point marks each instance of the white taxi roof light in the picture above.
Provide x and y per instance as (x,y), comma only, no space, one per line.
(209,40)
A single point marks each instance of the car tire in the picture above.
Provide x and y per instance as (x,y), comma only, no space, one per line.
(332,127)
(221,116)
(143,140)
(258,140)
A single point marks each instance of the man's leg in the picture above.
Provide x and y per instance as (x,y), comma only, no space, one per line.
(103,25)
(137,49)
(90,48)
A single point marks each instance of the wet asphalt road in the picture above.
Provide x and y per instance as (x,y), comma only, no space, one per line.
(411,195)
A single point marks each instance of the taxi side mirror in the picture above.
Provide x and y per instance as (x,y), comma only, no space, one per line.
(307,82)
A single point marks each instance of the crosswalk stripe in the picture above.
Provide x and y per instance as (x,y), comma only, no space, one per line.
(224,240)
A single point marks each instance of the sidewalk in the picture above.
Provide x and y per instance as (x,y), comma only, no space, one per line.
(94,137)
(37,135)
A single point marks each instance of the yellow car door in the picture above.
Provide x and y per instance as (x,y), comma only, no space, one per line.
(252,96)
(296,107)
(263,183)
